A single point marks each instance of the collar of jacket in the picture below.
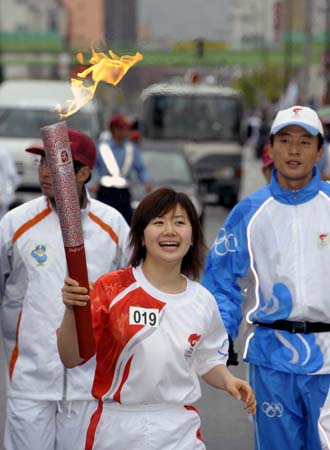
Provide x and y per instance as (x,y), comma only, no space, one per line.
(115,146)
(84,210)
(309,191)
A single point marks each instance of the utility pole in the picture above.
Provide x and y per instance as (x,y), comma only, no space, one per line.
(1,61)
(1,46)
(326,63)
(307,52)
(288,43)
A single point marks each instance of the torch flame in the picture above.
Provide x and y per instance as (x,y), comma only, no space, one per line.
(102,68)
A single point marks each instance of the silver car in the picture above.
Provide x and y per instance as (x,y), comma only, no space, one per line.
(169,169)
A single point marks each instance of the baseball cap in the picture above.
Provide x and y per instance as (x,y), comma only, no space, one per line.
(82,146)
(266,159)
(303,116)
(119,121)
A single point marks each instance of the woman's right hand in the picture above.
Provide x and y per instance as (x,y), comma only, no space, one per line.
(73,294)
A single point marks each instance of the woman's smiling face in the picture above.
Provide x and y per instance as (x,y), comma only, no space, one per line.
(169,237)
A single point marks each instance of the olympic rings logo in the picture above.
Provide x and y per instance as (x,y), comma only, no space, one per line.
(225,243)
(272,409)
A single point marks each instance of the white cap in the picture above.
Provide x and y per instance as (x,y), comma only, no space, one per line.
(303,116)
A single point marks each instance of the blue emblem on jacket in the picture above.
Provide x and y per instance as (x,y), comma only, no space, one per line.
(39,254)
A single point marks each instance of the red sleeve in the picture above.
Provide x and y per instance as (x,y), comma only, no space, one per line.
(106,289)
(100,310)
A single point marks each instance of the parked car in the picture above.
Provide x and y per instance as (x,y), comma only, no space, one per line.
(169,169)
(28,105)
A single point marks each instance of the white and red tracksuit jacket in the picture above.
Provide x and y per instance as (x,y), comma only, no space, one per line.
(150,344)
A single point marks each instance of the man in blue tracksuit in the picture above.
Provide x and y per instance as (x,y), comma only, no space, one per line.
(273,255)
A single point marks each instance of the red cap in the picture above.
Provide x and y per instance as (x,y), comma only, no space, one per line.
(118,121)
(266,159)
(82,146)
(135,136)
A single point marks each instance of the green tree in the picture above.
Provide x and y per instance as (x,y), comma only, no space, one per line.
(260,86)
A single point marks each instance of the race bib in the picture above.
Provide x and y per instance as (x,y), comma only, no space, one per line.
(143,316)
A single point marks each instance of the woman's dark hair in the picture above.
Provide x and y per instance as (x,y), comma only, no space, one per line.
(156,204)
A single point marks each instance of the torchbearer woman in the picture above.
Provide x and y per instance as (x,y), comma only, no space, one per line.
(155,331)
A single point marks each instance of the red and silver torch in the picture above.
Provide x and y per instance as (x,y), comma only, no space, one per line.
(59,159)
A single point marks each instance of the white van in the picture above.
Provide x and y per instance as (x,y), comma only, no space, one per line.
(28,105)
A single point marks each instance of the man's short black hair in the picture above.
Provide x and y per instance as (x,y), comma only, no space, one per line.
(320,139)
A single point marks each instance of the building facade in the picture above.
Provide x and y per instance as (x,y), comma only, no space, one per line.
(31,15)
(120,22)
(251,24)
(84,23)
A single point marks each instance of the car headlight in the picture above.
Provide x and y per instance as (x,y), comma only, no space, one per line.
(224,173)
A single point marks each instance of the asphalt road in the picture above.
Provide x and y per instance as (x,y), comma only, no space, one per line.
(225,425)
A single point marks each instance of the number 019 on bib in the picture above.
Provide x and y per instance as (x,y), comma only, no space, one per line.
(143,316)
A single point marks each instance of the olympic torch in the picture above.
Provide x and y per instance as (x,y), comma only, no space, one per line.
(59,160)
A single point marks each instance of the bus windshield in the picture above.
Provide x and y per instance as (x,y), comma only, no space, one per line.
(196,117)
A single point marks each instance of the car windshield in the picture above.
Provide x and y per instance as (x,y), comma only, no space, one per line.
(203,117)
(26,123)
(163,167)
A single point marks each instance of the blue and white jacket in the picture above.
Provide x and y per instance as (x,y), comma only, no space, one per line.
(271,259)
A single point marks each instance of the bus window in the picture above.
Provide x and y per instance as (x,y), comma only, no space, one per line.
(193,117)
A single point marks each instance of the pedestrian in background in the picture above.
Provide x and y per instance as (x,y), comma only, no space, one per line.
(9,181)
(48,406)
(118,159)
(263,135)
(324,163)
(135,133)
(267,163)
(155,330)
(273,252)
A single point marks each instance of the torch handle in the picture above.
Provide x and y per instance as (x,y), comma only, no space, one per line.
(76,260)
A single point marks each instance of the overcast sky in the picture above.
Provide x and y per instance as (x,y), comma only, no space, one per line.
(185,19)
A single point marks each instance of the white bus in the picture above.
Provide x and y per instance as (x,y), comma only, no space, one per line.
(204,120)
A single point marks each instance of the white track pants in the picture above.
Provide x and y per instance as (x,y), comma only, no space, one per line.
(47,425)
(149,427)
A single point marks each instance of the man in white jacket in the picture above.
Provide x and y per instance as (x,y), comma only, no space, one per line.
(49,407)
